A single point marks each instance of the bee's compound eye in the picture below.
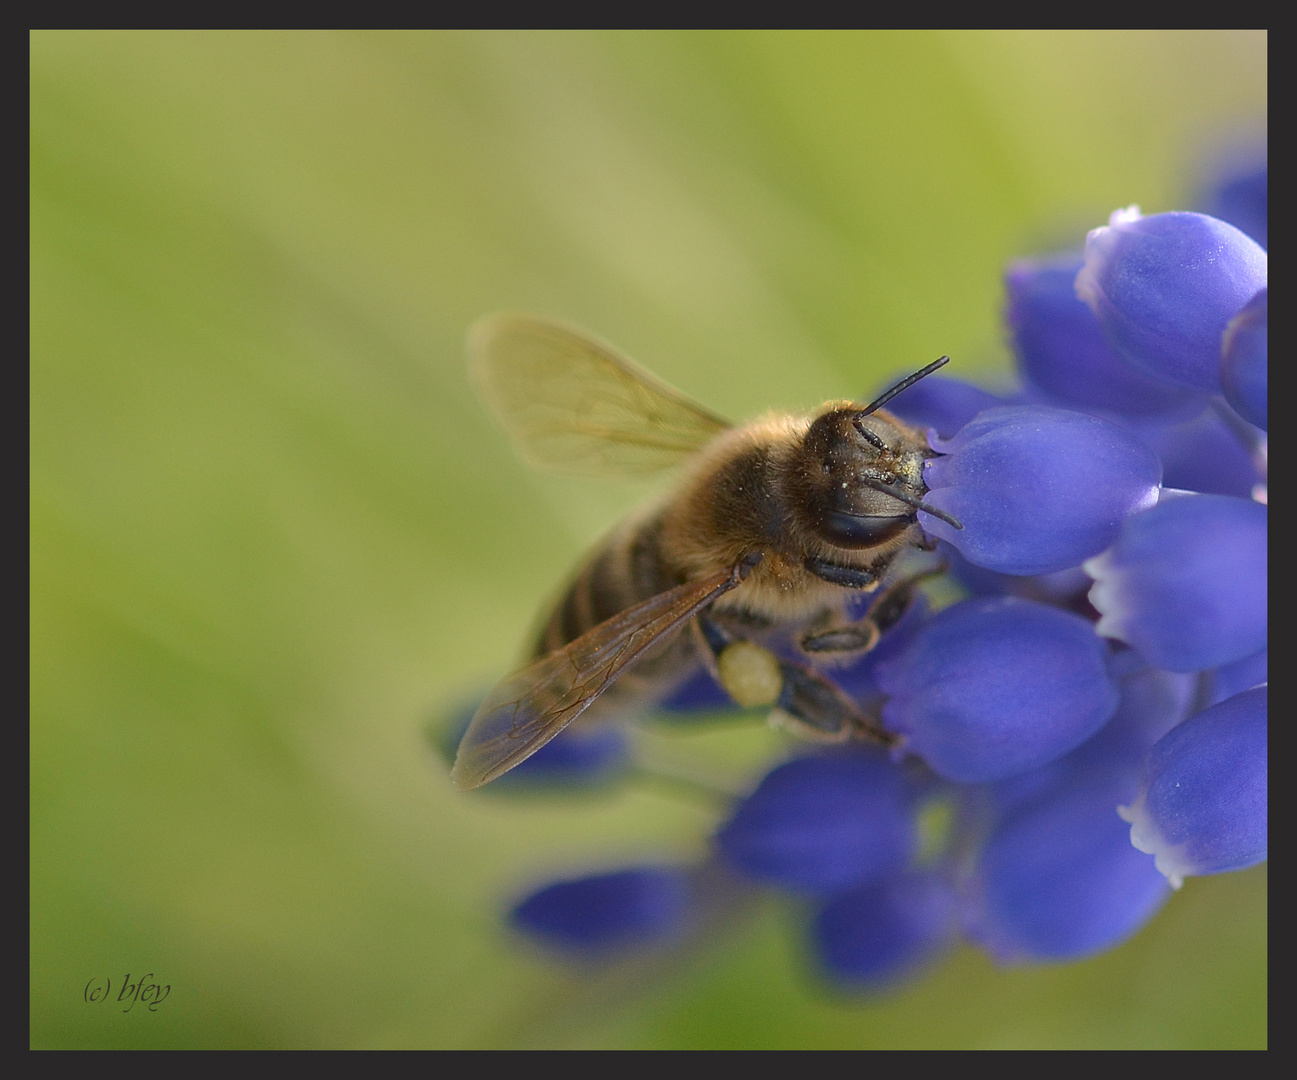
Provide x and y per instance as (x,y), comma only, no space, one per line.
(855,531)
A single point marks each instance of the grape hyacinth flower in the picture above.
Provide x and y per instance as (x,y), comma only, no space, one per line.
(1240,194)
(1165,287)
(1204,454)
(1202,807)
(994,687)
(647,905)
(1243,360)
(876,935)
(1087,726)
(1057,878)
(1037,489)
(1243,675)
(1185,583)
(1062,354)
(824,824)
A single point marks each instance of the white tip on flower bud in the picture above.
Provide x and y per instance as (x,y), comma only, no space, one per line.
(1146,837)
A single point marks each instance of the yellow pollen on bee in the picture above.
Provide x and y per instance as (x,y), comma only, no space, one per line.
(750,674)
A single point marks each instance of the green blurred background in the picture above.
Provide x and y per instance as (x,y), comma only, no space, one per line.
(274,537)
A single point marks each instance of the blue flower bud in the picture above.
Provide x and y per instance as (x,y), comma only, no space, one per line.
(876,935)
(1061,349)
(1037,489)
(1243,360)
(1058,587)
(1185,583)
(822,824)
(1164,288)
(1058,879)
(1239,676)
(1202,454)
(1241,196)
(608,911)
(993,687)
(1203,807)
(1152,702)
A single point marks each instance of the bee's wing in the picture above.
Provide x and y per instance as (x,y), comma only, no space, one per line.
(526,710)
(573,402)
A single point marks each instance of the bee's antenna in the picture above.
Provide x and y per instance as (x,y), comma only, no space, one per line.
(868,435)
(910,500)
(904,384)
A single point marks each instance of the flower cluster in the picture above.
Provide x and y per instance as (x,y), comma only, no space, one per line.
(1087,726)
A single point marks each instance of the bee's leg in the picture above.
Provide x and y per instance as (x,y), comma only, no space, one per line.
(804,700)
(854,637)
(748,672)
(815,707)
(884,613)
(849,577)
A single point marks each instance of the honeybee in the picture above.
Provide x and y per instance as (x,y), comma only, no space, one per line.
(775,526)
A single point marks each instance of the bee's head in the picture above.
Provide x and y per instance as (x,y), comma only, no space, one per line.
(862,472)
(862,476)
